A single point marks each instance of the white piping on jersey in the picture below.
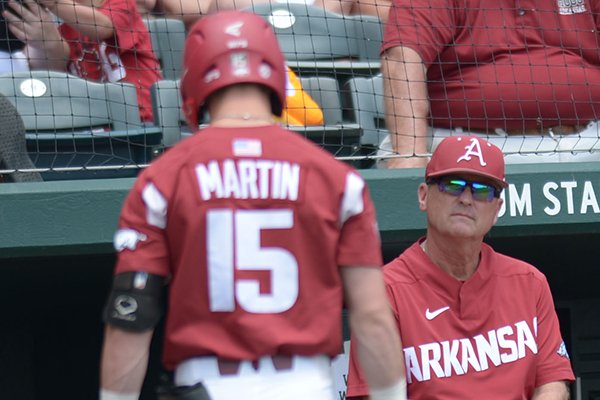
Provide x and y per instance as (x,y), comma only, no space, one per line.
(156,206)
(455,357)
(352,202)
(249,179)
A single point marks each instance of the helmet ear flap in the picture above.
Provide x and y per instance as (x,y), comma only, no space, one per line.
(191,112)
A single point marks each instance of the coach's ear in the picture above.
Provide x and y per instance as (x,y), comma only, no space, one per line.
(499,207)
(422,196)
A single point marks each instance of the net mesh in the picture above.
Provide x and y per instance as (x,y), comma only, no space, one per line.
(524,78)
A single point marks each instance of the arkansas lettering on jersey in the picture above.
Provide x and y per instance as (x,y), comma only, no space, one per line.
(457,356)
(253,225)
(494,336)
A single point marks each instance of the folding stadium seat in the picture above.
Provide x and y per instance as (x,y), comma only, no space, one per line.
(325,92)
(168,114)
(77,128)
(338,137)
(318,42)
(13,151)
(168,41)
(363,103)
(369,34)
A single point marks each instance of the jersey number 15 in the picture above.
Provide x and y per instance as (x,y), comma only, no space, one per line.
(233,241)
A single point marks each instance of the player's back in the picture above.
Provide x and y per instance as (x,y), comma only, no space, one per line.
(254,224)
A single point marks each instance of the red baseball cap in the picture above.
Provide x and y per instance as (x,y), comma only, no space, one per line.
(469,154)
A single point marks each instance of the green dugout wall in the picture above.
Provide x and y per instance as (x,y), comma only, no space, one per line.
(56,261)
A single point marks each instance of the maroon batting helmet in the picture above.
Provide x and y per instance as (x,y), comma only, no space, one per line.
(227,48)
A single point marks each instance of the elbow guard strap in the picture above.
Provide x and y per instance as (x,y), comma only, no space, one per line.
(135,302)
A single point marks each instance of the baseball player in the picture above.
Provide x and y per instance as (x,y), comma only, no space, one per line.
(256,234)
(474,324)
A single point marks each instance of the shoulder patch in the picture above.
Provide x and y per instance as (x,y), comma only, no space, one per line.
(562,350)
(127,239)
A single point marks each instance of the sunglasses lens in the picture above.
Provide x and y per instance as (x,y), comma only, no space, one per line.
(454,186)
(480,191)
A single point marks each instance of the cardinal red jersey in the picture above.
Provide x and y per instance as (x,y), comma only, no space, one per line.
(252,225)
(494,336)
(504,63)
(128,57)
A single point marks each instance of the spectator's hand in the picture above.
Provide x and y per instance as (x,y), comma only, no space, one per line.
(32,23)
(412,162)
(48,4)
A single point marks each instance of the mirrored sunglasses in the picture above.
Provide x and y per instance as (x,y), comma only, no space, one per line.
(456,186)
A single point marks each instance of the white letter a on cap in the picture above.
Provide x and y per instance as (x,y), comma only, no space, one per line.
(474,149)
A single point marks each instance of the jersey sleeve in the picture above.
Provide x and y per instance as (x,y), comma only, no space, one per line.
(359,242)
(126,22)
(553,360)
(425,26)
(140,240)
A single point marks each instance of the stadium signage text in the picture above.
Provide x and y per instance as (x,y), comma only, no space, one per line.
(551,198)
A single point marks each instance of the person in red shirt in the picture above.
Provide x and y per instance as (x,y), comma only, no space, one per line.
(501,69)
(474,323)
(188,11)
(257,233)
(101,40)
(377,8)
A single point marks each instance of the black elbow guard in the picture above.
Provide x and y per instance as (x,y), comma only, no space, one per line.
(136,301)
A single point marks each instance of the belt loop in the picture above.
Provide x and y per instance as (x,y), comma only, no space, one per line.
(227,367)
(282,363)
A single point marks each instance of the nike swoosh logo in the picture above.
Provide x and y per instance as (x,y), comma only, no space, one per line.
(432,314)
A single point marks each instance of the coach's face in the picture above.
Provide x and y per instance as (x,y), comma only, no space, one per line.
(457,211)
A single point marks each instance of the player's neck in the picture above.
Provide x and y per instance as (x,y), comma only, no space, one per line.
(459,260)
(241,105)
(241,119)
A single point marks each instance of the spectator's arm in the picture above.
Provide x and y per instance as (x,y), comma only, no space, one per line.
(343,7)
(189,11)
(374,333)
(406,105)
(377,8)
(552,391)
(88,21)
(124,360)
(37,28)
(219,5)
(147,8)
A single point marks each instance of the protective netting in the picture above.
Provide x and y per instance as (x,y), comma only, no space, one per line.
(526,78)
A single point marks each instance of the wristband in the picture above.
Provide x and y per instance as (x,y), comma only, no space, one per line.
(110,395)
(394,392)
